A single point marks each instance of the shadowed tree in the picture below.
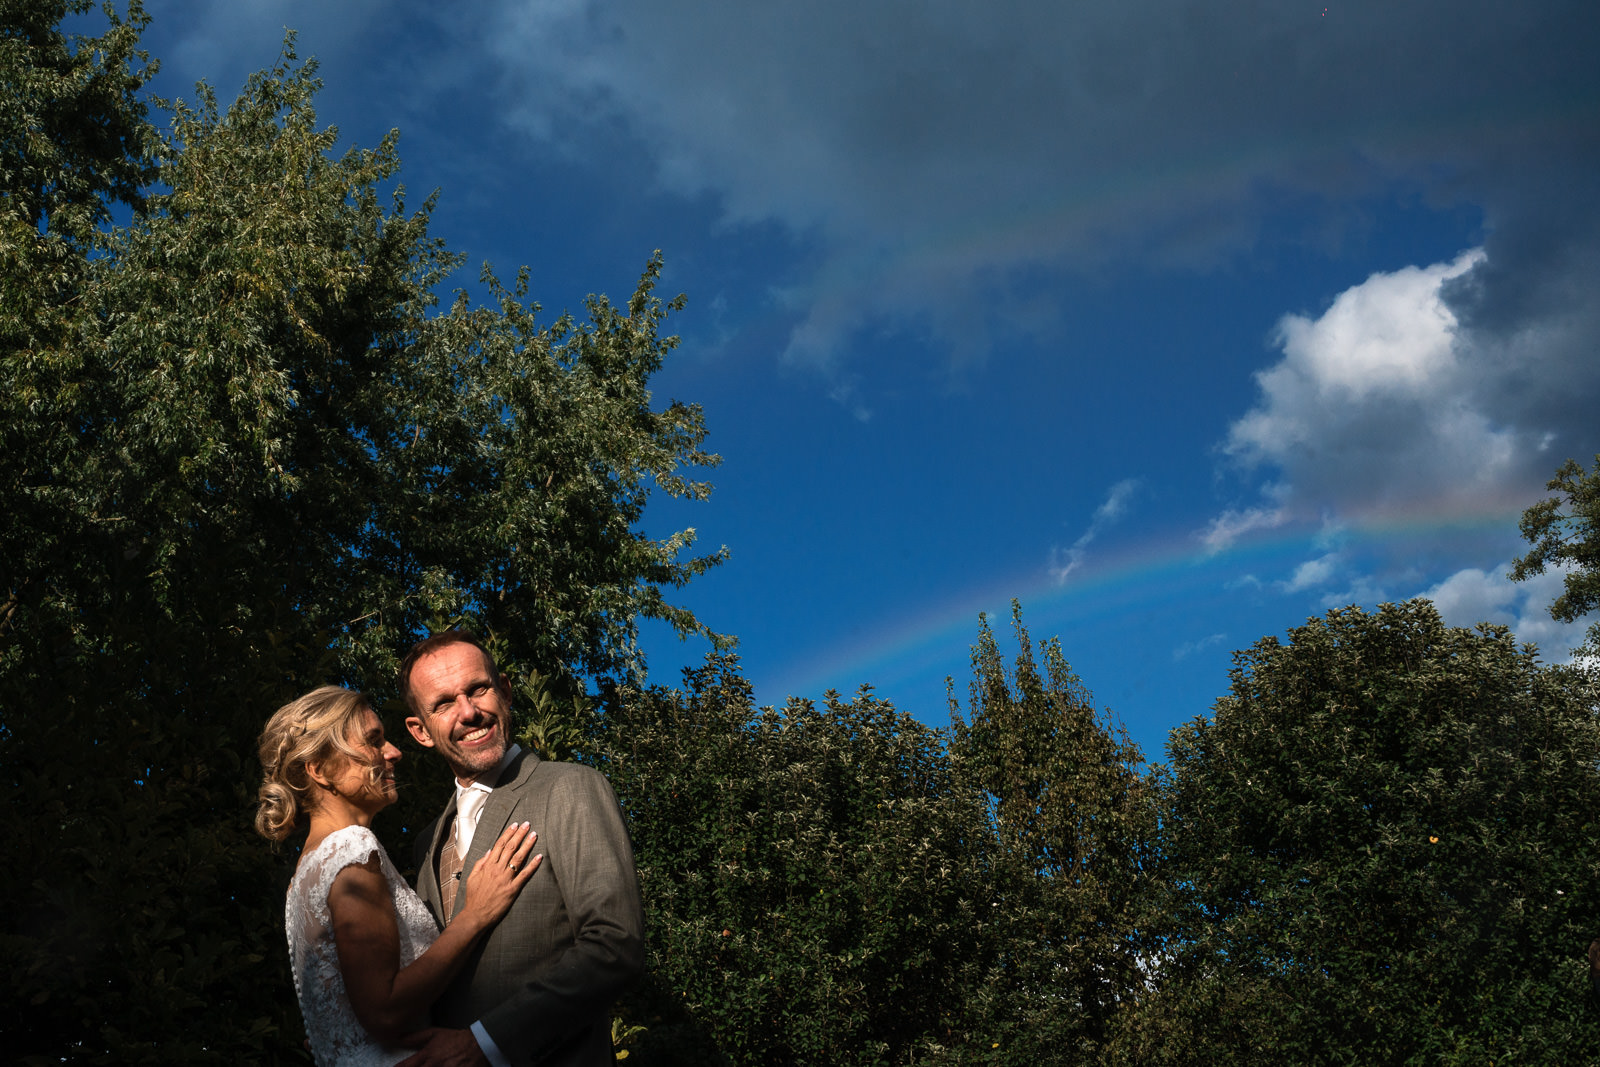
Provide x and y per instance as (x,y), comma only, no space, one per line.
(247,453)
(816,880)
(1072,816)
(1382,849)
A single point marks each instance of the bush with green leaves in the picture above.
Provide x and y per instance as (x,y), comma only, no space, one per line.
(1073,818)
(816,882)
(1382,848)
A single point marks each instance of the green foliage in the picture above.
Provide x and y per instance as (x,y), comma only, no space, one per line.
(73,143)
(1072,816)
(817,882)
(550,435)
(1382,849)
(835,884)
(550,727)
(245,454)
(1569,539)
(73,136)
(623,1034)
(243,451)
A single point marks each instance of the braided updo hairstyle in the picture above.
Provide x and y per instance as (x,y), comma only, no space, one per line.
(314,728)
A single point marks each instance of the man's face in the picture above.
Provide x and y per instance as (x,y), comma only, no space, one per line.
(462,710)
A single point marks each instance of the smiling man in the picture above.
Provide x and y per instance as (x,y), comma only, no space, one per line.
(540,987)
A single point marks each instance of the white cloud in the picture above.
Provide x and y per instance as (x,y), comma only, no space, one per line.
(1116,502)
(1368,399)
(1393,334)
(1189,648)
(1231,525)
(1471,596)
(1313,572)
(1383,405)
(1364,590)
(1064,561)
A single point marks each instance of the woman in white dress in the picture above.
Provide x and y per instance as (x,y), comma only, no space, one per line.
(368,958)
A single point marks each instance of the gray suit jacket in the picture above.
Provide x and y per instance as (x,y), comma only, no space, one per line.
(544,980)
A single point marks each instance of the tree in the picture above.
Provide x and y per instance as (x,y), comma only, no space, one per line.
(818,882)
(74,143)
(1381,848)
(251,455)
(1568,539)
(73,132)
(1072,815)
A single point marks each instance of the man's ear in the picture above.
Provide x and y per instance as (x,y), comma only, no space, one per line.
(418,731)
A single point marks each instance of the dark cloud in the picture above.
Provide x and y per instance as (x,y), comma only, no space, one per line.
(923,144)
(930,152)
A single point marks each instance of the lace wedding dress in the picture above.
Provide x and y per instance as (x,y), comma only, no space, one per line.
(337,1039)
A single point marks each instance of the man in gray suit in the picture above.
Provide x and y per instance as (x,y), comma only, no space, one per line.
(540,987)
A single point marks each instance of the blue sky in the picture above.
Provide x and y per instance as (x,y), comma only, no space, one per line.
(1178,321)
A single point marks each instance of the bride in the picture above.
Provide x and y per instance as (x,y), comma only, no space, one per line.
(368,958)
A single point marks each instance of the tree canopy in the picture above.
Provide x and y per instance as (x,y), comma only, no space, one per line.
(815,877)
(73,136)
(1381,849)
(835,882)
(1073,817)
(246,451)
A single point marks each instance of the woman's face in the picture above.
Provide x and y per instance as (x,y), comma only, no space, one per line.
(352,777)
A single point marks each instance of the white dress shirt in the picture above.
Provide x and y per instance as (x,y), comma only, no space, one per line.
(470,800)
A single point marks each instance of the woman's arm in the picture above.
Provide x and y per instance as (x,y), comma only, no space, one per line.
(385,996)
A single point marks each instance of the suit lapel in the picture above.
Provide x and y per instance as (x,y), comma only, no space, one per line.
(496,814)
(428,869)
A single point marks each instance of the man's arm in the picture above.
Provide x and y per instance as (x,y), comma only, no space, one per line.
(585,835)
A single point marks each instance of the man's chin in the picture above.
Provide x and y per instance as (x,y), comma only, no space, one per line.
(471,764)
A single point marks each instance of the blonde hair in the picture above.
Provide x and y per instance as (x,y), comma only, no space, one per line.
(314,728)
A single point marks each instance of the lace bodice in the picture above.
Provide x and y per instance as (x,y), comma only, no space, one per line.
(337,1039)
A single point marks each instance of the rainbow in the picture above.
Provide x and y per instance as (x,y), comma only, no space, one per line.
(1097,210)
(1112,582)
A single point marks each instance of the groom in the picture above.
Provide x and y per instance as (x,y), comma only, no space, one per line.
(540,987)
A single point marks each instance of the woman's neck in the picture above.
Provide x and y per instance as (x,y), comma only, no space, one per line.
(331,817)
